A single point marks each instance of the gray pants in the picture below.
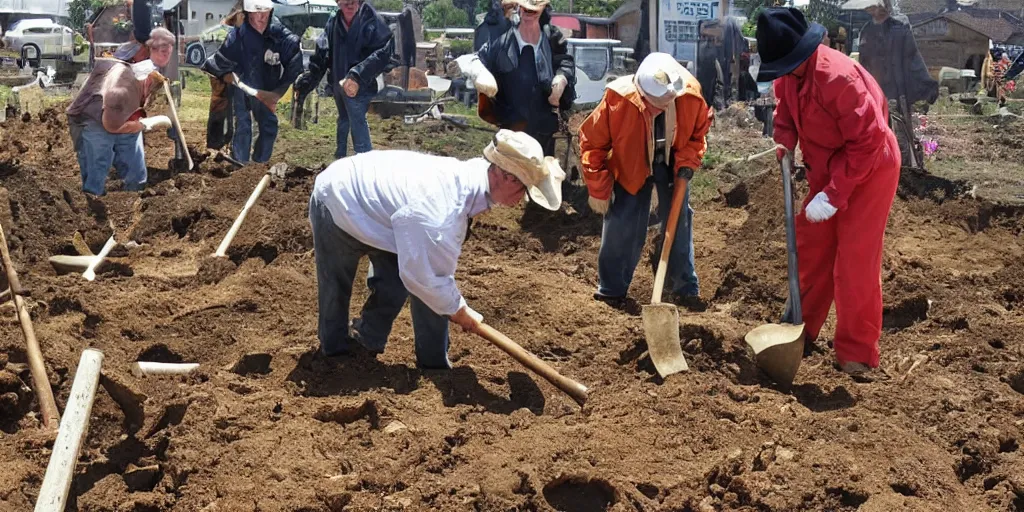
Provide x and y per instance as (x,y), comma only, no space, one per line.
(337,259)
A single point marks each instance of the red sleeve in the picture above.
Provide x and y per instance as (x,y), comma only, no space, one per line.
(595,144)
(847,99)
(785,128)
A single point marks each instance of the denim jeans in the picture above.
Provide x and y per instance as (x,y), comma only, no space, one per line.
(352,117)
(625,231)
(98,149)
(337,256)
(246,108)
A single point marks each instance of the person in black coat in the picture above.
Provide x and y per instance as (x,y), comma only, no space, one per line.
(356,47)
(534,73)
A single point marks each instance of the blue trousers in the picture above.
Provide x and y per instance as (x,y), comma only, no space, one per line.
(352,117)
(246,108)
(625,231)
(337,256)
(98,149)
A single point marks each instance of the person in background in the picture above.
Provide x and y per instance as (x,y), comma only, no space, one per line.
(409,213)
(524,74)
(107,118)
(889,52)
(838,113)
(356,46)
(648,129)
(265,56)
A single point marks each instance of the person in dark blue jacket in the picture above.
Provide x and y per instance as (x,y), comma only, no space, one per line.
(357,47)
(265,56)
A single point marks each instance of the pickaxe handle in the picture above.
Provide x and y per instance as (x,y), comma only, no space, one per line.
(577,391)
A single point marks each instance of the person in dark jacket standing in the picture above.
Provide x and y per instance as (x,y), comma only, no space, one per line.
(531,71)
(264,56)
(356,46)
(888,51)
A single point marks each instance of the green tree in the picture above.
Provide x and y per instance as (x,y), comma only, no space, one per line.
(444,14)
(77,10)
(388,5)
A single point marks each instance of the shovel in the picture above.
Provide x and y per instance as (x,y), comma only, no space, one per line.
(779,348)
(661,321)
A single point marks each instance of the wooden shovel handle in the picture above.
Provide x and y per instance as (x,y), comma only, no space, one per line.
(177,125)
(40,381)
(12,275)
(570,387)
(678,193)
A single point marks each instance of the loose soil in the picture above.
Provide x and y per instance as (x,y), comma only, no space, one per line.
(267,425)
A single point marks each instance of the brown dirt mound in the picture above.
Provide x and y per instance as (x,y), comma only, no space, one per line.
(266,424)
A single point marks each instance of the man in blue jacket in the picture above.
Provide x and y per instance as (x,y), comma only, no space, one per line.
(265,56)
(356,46)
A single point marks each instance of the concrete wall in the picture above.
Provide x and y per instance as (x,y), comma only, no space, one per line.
(203,14)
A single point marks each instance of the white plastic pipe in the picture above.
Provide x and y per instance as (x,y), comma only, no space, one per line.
(144,368)
(90,272)
(223,248)
(53,494)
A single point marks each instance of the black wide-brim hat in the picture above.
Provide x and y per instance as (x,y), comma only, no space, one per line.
(784,41)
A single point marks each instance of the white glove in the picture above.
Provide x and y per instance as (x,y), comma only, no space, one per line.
(599,206)
(819,209)
(151,123)
(476,74)
(557,88)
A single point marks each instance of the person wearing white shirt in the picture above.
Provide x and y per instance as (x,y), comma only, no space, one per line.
(409,213)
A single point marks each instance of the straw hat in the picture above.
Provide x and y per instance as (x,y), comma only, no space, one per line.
(531,5)
(522,156)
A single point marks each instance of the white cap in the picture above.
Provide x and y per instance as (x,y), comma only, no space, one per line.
(521,155)
(257,5)
(660,78)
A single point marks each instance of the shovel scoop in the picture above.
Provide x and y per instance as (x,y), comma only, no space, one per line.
(661,321)
(779,348)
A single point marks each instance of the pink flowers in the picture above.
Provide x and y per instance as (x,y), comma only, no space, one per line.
(930,146)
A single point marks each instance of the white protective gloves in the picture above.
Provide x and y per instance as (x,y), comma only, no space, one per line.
(599,206)
(557,88)
(151,123)
(819,209)
(476,73)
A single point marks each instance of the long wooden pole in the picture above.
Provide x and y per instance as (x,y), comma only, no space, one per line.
(40,382)
(53,494)
(577,391)
(177,124)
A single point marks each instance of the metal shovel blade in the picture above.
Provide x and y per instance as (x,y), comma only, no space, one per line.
(778,350)
(661,327)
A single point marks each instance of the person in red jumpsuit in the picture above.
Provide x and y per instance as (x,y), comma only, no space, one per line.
(838,113)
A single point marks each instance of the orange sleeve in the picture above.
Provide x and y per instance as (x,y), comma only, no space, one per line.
(595,144)
(693,120)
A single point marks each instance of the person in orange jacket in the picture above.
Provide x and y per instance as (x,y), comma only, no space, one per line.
(839,114)
(624,155)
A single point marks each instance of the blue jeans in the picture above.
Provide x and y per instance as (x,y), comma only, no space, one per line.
(352,116)
(337,256)
(245,109)
(625,231)
(98,149)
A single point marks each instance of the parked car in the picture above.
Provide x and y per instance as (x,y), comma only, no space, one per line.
(43,36)
(209,42)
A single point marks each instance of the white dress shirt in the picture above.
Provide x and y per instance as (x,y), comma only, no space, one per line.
(414,205)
